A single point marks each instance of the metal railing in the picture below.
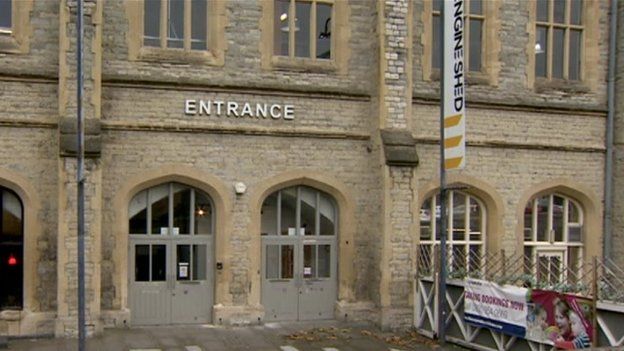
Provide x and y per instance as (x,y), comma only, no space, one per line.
(597,278)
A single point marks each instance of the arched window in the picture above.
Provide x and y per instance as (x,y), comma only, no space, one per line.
(11,251)
(553,238)
(171,209)
(299,210)
(466,236)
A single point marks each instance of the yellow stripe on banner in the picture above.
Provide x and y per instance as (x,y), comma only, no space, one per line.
(452,163)
(452,121)
(452,142)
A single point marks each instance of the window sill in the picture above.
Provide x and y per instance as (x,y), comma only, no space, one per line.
(472,78)
(179,56)
(300,64)
(543,85)
(11,315)
(9,45)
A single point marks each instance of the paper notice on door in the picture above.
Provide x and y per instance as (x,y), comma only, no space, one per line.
(183,270)
(292,231)
(307,270)
(164,230)
(176,231)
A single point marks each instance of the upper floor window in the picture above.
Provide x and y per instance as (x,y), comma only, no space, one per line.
(179,24)
(474,24)
(303,28)
(559,30)
(177,30)
(305,34)
(6,11)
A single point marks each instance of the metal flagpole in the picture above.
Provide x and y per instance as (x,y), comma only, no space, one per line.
(80,180)
(442,274)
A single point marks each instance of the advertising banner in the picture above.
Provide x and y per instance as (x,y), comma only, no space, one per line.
(561,320)
(500,308)
(454,101)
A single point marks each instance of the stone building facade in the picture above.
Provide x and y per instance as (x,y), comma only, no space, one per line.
(329,173)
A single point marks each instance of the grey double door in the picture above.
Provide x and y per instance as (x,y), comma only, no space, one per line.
(299,277)
(171,283)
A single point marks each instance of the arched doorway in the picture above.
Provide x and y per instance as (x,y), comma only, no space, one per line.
(299,233)
(171,280)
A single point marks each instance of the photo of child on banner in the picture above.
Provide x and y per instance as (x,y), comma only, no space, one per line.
(564,321)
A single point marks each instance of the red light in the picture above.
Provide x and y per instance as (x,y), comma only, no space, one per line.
(12,260)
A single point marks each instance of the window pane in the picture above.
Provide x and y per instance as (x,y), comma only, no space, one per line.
(11,215)
(138,214)
(576,11)
(459,216)
(476,7)
(309,261)
(151,23)
(159,202)
(323,31)
(269,215)
(203,213)
(557,57)
(459,258)
(573,213)
(425,220)
(474,258)
(541,51)
(574,66)
(327,213)
(542,10)
(475,220)
(559,7)
(199,19)
(272,261)
(324,261)
(528,222)
(288,211)
(5,13)
(181,209)
(542,218)
(287,260)
(436,60)
(280,29)
(302,29)
(476,28)
(183,262)
(159,263)
(574,233)
(308,210)
(141,263)
(557,217)
(199,262)
(175,31)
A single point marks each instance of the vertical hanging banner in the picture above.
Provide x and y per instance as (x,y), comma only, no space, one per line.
(453,75)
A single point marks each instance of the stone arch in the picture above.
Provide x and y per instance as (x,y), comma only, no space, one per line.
(32,230)
(589,202)
(485,192)
(170,173)
(346,225)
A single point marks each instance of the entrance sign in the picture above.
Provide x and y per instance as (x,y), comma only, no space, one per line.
(453,75)
(220,108)
(500,308)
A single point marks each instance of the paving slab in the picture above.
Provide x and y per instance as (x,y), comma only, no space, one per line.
(289,336)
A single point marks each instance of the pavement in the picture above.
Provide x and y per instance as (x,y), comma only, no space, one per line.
(291,336)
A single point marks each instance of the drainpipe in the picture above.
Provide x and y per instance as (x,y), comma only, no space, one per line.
(608,237)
